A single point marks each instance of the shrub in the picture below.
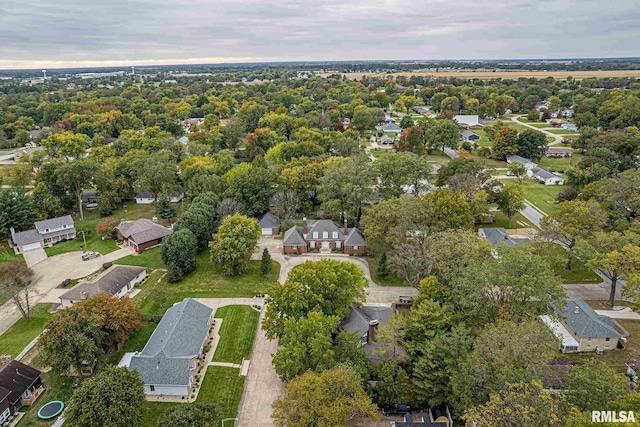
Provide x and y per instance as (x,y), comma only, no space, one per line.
(65,282)
(107,265)
(105,210)
(106,225)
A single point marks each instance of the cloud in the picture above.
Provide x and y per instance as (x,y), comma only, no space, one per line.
(48,33)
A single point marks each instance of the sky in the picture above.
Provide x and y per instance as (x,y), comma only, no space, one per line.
(86,33)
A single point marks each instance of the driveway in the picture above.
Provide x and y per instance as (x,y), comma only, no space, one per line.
(624,313)
(51,272)
(35,256)
(557,139)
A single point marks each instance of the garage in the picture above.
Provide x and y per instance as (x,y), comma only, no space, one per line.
(31,246)
(267,231)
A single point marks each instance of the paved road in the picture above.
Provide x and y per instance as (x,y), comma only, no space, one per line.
(50,273)
(450,152)
(532,213)
(557,139)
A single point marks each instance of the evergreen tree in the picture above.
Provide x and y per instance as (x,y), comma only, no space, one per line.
(383,267)
(164,210)
(265,265)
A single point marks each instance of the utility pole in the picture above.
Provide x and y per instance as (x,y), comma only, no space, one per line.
(84,238)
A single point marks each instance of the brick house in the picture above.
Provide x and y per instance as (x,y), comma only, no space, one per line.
(324,235)
(141,233)
(269,224)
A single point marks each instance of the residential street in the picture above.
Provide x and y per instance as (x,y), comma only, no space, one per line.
(557,139)
(532,213)
(50,273)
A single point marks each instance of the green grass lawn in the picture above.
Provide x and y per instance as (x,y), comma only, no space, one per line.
(222,386)
(56,388)
(94,241)
(237,333)
(16,338)
(134,211)
(540,195)
(206,282)
(391,280)
(518,221)
(150,258)
(579,272)
(562,132)
(8,255)
(483,141)
(136,342)
(516,126)
(560,164)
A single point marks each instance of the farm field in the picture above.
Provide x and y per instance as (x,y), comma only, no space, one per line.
(497,74)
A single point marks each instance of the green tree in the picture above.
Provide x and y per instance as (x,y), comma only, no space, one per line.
(156,173)
(325,286)
(253,187)
(399,171)
(383,268)
(406,122)
(511,201)
(594,385)
(266,263)
(113,398)
(164,210)
(492,130)
(411,140)
(328,399)
(76,176)
(305,345)
(234,243)
(66,144)
(505,143)
(442,133)
(532,144)
(192,415)
(518,170)
(533,115)
(16,210)
(179,252)
(346,182)
(392,387)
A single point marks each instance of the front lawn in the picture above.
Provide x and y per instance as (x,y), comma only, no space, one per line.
(500,220)
(223,387)
(150,258)
(541,196)
(237,333)
(562,132)
(579,273)
(206,282)
(94,241)
(483,141)
(17,337)
(391,280)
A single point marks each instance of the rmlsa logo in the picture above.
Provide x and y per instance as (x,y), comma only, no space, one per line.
(612,417)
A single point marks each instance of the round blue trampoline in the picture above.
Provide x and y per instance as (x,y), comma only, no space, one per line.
(50,410)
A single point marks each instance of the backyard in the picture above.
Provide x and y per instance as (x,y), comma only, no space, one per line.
(150,258)
(16,338)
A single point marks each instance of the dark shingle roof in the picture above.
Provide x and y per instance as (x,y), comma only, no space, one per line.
(110,282)
(162,370)
(143,230)
(496,235)
(26,237)
(355,238)
(17,377)
(294,237)
(543,173)
(586,322)
(269,220)
(358,319)
(145,195)
(54,223)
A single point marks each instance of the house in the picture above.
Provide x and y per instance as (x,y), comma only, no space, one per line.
(436,417)
(558,152)
(20,385)
(176,197)
(567,112)
(183,140)
(364,321)
(47,233)
(569,126)
(581,329)
(169,361)
(141,233)
(269,224)
(468,121)
(544,176)
(528,164)
(145,198)
(421,110)
(467,135)
(324,235)
(389,127)
(386,139)
(116,281)
(497,235)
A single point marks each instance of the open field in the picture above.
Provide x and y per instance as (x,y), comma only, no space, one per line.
(496,74)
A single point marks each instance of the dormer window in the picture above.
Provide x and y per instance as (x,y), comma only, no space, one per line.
(325,234)
(46,230)
(315,234)
(335,235)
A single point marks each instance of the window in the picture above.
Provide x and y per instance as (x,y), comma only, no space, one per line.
(325,234)
(315,234)
(152,387)
(607,339)
(46,230)
(295,248)
(355,247)
(335,235)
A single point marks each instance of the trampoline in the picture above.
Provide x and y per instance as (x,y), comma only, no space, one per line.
(50,410)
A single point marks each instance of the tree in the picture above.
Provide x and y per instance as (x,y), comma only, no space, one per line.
(234,133)
(234,243)
(406,122)
(164,210)
(46,205)
(533,115)
(192,415)
(325,286)
(571,221)
(77,175)
(114,397)
(518,170)
(16,280)
(383,268)
(16,210)
(412,140)
(532,144)
(107,225)
(284,205)
(253,187)
(392,387)
(346,182)
(328,399)
(305,345)
(505,143)
(399,171)
(520,404)
(156,173)
(511,201)
(594,385)
(364,118)
(442,133)
(229,206)
(492,130)
(411,262)
(612,254)
(66,144)
(266,263)
(178,252)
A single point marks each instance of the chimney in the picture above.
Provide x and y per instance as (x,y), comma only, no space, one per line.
(373,328)
(5,358)
(346,227)
(304,225)
(576,310)
(13,235)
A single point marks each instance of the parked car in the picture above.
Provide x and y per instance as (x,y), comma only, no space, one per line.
(90,255)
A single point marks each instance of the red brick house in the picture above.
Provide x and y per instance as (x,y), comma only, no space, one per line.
(324,235)
(269,225)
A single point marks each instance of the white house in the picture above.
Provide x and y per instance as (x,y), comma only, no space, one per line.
(117,281)
(468,121)
(145,198)
(544,176)
(528,164)
(47,233)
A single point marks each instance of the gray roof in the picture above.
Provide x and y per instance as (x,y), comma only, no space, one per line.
(389,127)
(143,230)
(467,133)
(358,319)
(145,195)
(543,173)
(54,223)
(294,237)
(325,226)
(386,138)
(269,220)
(355,238)
(109,282)
(179,337)
(496,235)
(518,159)
(26,237)
(586,322)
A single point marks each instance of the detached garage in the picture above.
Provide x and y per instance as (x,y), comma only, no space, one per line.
(269,225)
